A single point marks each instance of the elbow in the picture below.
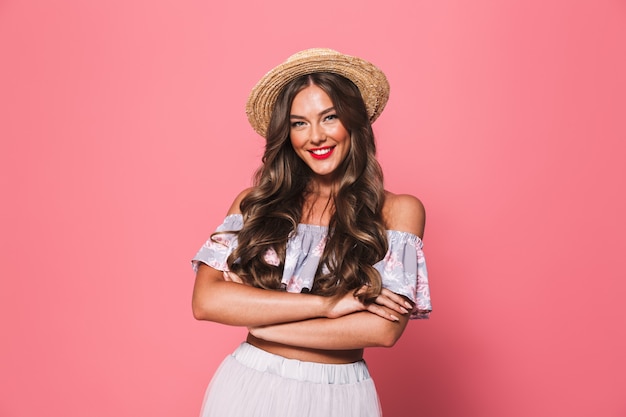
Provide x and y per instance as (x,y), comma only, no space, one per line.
(390,334)
(388,340)
(199,311)
(198,314)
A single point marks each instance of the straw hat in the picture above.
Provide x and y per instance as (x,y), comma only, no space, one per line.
(370,80)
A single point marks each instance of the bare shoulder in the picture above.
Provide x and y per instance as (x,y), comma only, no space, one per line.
(405,213)
(235,207)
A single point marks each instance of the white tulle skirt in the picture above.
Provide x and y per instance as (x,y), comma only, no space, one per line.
(254,383)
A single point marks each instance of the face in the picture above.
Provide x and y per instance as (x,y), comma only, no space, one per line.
(317,135)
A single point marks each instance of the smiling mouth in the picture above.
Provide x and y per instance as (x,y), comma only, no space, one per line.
(322,153)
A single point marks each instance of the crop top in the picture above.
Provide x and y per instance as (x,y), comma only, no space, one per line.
(403,269)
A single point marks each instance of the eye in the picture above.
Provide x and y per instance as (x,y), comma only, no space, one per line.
(297,123)
(330,117)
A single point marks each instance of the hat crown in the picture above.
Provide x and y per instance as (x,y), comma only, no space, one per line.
(370,81)
(312,52)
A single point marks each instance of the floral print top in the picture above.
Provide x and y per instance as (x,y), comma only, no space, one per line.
(403,269)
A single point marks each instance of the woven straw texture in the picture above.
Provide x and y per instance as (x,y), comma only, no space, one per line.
(371,81)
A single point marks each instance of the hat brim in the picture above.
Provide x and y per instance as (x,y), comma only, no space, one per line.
(371,82)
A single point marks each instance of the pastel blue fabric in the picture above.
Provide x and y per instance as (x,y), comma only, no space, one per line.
(403,269)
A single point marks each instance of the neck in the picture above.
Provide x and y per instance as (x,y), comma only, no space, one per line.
(318,206)
(321,188)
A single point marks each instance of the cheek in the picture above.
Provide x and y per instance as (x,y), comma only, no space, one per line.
(343,135)
(296,140)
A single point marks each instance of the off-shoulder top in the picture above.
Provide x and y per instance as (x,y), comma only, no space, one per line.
(403,269)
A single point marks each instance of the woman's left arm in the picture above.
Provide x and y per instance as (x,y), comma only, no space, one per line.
(353,331)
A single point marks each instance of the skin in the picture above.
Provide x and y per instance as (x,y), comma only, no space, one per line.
(315,126)
(304,326)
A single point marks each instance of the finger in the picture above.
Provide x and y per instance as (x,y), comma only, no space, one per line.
(398,299)
(389,303)
(379,311)
(393,301)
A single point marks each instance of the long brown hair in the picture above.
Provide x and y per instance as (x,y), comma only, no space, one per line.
(273,208)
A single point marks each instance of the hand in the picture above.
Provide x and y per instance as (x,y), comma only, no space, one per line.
(392,301)
(342,305)
(339,306)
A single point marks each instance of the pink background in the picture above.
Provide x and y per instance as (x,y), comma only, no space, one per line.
(124,141)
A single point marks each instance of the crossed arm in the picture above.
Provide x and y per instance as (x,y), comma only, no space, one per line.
(352,331)
(304,320)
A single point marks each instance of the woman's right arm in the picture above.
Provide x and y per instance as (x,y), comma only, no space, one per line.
(224,301)
(227,302)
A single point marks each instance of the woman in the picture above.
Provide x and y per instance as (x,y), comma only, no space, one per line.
(317,260)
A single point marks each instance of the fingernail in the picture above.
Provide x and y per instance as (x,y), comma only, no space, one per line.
(407,304)
(404,310)
(394,318)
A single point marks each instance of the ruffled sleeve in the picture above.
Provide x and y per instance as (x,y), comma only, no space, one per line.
(403,271)
(218,248)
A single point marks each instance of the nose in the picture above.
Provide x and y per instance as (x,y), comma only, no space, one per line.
(318,134)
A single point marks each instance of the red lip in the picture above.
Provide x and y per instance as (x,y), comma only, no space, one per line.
(323,156)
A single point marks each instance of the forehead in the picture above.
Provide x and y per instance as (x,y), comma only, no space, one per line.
(311,97)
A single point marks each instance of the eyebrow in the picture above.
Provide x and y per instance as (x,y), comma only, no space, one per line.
(322,113)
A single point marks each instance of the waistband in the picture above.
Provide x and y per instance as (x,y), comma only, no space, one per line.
(321,373)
